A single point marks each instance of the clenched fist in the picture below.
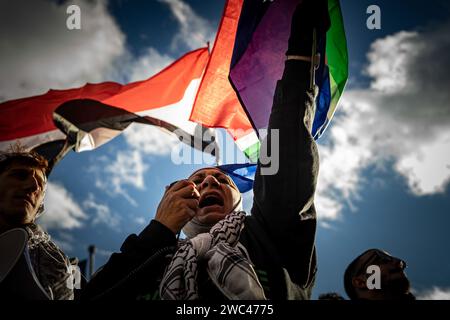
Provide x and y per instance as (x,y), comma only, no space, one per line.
(178,205)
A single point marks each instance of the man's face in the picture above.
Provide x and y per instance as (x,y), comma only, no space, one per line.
(218,196)
(22,192)
(394,282)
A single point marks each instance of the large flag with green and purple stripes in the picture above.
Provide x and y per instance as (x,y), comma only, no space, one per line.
(247,59)
(259,53)
(257,63)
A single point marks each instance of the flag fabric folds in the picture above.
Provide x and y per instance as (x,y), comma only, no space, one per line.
(332,78)
(217,104)
(95,113)
(242,175)
(257,62)
(259,54)
(248,58)
(230,88)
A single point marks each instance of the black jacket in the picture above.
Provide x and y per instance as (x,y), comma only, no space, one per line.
(279,234)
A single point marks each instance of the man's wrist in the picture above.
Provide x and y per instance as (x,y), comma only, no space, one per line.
(157,234)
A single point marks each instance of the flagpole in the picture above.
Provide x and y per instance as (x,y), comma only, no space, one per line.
(216,150)
(91,250)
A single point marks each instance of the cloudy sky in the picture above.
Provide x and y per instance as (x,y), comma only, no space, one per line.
(385,160)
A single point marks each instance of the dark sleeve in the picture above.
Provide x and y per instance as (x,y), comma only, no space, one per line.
(123,275)
(284,202)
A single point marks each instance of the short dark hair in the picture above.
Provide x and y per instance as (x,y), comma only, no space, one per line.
(28,158)
(331,296)
(350,272)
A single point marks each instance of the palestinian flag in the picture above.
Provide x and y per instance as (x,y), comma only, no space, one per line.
(87,117)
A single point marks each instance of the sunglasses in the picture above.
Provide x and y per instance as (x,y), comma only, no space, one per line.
(223,178)
(378,257)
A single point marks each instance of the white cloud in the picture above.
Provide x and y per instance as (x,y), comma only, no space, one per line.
(435,293)
(389,70)
(61,210)
(150,140)
(328,207)
(127,169)
(195,31)
(38,52)
(404,118)
(141,221)
(102,213)
(65,242)
(427,169)
(148,64)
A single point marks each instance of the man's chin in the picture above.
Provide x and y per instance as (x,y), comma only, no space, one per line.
(19,217)
(399,286)
(21,207)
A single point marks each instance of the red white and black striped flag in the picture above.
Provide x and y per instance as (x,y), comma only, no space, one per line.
(87,117)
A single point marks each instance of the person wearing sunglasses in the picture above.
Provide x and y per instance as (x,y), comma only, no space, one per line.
(393,282)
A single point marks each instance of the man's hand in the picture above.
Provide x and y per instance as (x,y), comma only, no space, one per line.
(178,205)
(309,15)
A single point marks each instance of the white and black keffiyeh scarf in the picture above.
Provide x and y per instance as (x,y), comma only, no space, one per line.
(50,264)
(228,264)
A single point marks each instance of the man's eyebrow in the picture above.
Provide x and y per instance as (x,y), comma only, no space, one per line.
(18,170)
(28,170)
(223,175)
(215,174)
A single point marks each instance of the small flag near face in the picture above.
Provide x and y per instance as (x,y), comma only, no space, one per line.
(242,175)
(94,114)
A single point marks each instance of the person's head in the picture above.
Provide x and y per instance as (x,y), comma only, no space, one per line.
(23,179)
(219,196)
(331,296)
(393,281)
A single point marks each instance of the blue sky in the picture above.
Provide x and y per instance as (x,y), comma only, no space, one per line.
(385,163)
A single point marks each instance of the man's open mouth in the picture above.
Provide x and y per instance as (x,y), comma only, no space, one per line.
(210,199)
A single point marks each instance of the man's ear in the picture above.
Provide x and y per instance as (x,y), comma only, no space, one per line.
(359,282)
